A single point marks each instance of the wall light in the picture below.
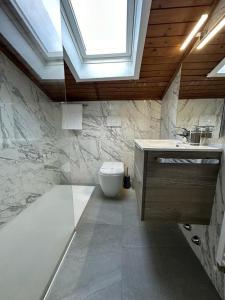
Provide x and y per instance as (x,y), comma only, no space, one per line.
(194,31)
(211,34)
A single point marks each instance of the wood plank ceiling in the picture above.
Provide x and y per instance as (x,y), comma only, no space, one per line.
(169,23)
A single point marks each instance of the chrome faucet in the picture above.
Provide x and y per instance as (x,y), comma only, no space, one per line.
(197,135)
(185,133)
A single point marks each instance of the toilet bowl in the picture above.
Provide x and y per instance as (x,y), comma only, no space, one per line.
(111,178)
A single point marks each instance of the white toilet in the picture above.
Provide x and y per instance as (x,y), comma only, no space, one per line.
(111,178)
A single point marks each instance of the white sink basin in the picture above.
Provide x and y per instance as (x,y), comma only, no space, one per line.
(175,145)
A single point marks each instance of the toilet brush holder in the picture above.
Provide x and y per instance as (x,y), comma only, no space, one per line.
(126,180)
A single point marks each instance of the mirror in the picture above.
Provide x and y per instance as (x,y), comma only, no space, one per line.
(201,112)
(31,39)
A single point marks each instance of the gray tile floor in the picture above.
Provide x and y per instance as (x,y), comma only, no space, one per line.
(114,256)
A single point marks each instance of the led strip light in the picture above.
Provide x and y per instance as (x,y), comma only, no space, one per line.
(211,34)
(194,31)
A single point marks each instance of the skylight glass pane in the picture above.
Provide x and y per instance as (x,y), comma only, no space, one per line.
(103,25)
(43,18)
(222,70)
(53,9)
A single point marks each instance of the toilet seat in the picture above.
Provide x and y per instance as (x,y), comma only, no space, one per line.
(112,168)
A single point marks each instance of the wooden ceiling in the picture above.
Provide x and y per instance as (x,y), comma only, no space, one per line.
(196,66)
(169,23)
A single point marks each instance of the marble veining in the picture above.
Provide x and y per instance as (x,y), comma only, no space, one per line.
(31,142)
(169,109)
(97,142)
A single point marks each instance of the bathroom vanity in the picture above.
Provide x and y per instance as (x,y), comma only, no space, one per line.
(175,182)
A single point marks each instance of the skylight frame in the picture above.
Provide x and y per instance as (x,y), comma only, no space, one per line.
(96,58)
(18,33)
(33,33)
(104,69)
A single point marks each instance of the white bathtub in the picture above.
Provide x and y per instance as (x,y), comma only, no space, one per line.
(32,244)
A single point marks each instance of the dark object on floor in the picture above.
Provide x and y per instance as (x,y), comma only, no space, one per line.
(196,240)
(126,180)
(187,227)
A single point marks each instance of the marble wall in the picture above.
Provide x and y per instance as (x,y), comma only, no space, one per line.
(31,142)
(189,113)
(35,153)
(97,142)
(169,109)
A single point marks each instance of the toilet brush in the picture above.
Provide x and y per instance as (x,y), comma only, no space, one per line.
(126,180)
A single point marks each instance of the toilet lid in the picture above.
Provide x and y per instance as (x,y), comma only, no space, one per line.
(112,168)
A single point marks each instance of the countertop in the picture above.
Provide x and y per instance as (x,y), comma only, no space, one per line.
(173,145)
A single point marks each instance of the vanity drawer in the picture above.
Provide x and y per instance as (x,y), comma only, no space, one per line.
(180,190)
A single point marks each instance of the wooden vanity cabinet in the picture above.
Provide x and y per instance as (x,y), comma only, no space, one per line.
(175,192)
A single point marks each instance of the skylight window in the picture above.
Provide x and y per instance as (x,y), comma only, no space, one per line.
(104,39)
(102,25)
